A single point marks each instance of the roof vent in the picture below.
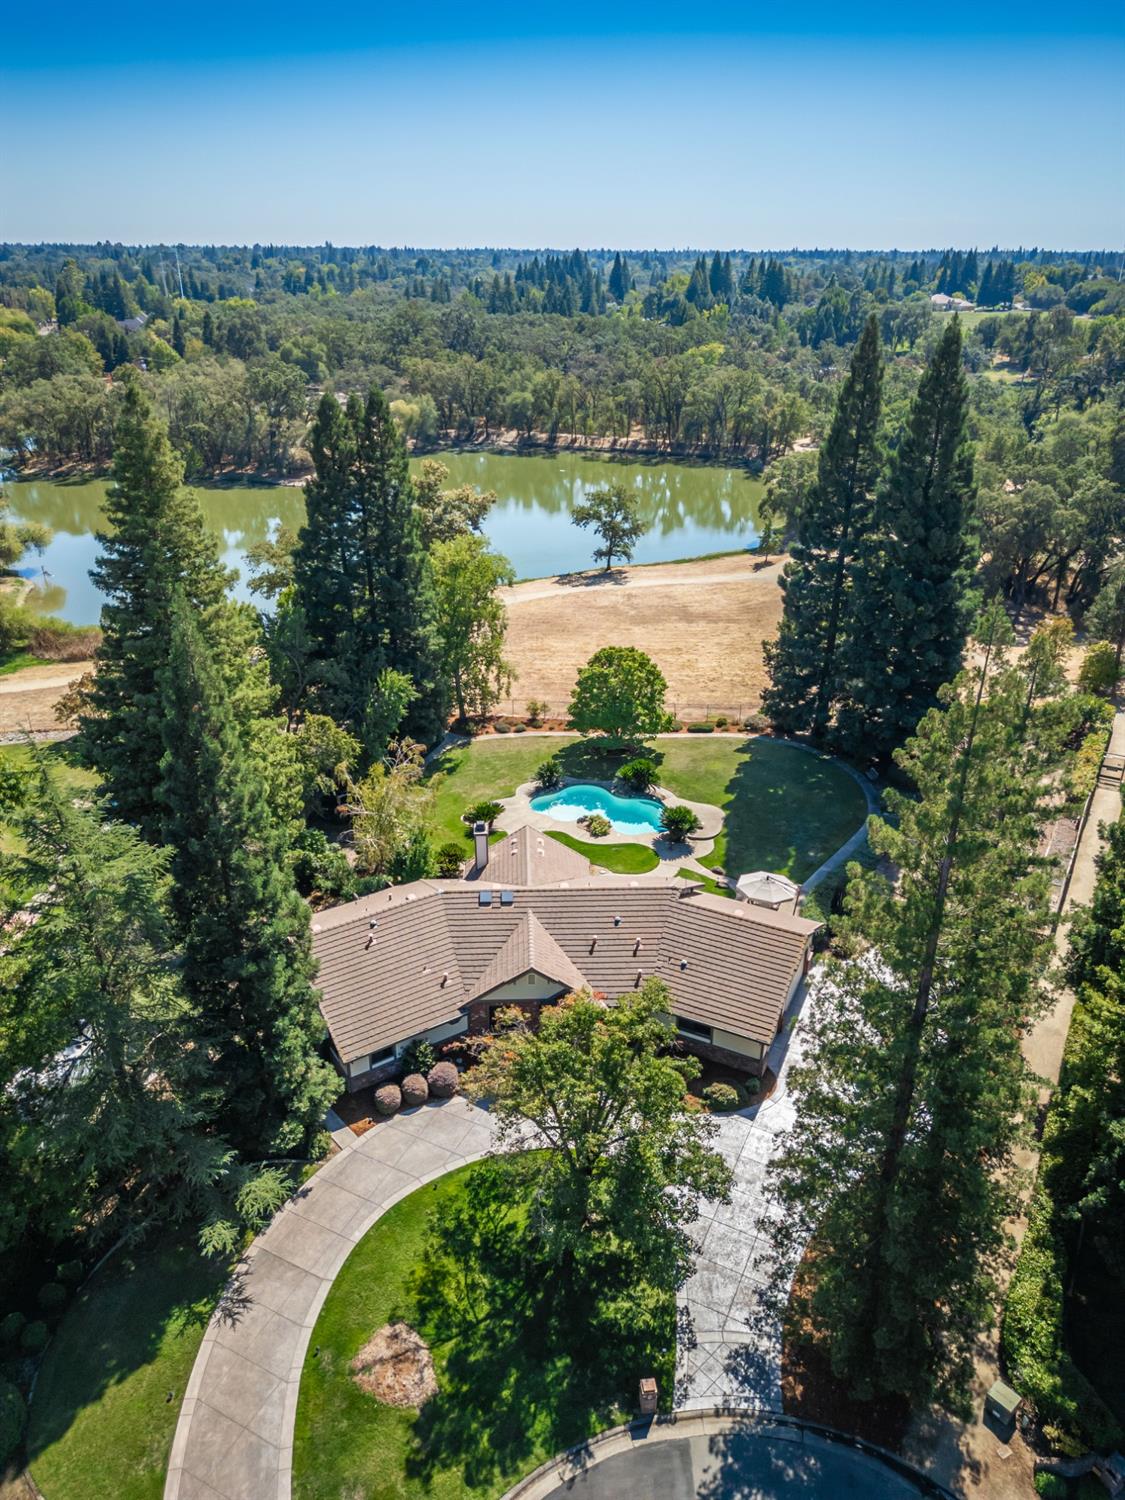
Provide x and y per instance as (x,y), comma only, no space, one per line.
(484,898)
(445,979)
(636,947)
(683,963)
(374,922)
(593,942)
(637,980)
(617,921)
(370,941)
(507,897)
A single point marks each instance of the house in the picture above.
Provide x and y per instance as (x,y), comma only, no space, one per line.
(529,923)
(941,302)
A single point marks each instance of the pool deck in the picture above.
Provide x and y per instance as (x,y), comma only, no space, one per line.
(518,810)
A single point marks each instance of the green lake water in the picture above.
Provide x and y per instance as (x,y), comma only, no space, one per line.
(690,510)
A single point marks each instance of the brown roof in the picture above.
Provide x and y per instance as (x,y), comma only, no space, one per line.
(527,857)
(433,948)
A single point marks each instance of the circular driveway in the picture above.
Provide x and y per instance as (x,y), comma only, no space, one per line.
(723,1458)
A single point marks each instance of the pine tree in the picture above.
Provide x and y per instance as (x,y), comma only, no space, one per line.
(911,1095)
(910,588)
(618,279)
(361,572)
(806,661)
(247,967)
(715,276)
(986,295)
(156,544)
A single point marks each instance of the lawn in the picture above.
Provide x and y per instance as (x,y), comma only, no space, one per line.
(16,661)
(508,1396)
(786,810)
(619,859)
(101,1423)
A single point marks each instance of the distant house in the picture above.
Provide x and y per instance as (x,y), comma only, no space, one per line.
(529,923)
(942,302)
(133,325)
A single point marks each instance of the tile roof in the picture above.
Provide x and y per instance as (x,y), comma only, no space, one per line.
(527,857)
(399,962)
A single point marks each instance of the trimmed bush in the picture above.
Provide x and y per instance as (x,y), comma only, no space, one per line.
(443,1080)
(638,774)
(13,1418)
(482,812)
(721,1097)
(11,1327)
(388,1099)
(52,1297)
(70,1272)
(519,728)
(448,860)
(755,723)
(679,821)
(753,1084)
(701,729)
(415,1090)
(503,728)
(34,1338)
(597,826)
(721,721)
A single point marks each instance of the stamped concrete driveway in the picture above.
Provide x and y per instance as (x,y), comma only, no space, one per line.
(729,1342)
(234,1439)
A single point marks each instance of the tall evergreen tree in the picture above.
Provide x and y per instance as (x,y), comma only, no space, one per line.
(156,544)
(619,278)
(805,662)
(911,1096)
(910,588)
(247,967)
(361,571)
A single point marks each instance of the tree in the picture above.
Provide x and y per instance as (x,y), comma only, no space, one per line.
(100,1128)
(613,514)
(448,513)
(910,586)
(619,281)
(471,621)
(788,483)
(361,573)
(805,662)
(390,811)
(245,931)
(678,822)
(914,1085)
(618,1164)
(1106,619)
(155,546)
(620,693)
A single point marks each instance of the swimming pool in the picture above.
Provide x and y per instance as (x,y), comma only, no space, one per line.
(626,814)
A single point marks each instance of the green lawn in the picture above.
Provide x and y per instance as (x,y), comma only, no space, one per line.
(508,1397)
(101,1423)
(619,859)
(17,660)
(786,810)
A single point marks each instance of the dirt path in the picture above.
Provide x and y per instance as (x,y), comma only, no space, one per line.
(702,622)
(28,697)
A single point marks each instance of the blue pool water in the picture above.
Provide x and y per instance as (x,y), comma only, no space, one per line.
(626,814)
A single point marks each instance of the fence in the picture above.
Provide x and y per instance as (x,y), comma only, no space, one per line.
(687,713)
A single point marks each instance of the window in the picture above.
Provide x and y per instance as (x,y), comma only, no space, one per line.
(373,1060)
(693,1029)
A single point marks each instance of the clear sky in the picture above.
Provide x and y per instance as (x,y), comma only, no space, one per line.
(441,124)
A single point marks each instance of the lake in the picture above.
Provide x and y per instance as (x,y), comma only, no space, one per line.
(690,510)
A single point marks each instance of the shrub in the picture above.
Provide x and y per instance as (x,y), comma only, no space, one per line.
(482,812)
(321,867)
(13,1416)
(721,721)
(550,772)
(1098,673)
(388,1099)
(755,723)
(443,1080)
(419,1057)
(753,1084)
(701,729)
(678,821)
(70,1272)
(1051,1486)
(519,728)
(415,1090)
(11,1327)
(721,1097)
(537,710)
(502,728)
(33,1340)
(597,826)
(639,774)
(448,859)
(52,1297)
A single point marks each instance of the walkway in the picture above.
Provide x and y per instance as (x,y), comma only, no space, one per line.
(234,1440)
(729,1340)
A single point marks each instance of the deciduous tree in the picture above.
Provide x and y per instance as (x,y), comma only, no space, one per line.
(620,693)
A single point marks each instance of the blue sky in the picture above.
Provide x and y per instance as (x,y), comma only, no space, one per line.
(443,124)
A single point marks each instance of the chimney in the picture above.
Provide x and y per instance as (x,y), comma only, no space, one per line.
(480,847)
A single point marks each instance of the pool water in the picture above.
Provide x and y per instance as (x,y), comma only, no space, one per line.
(625,814)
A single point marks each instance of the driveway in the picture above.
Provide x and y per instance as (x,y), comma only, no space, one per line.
(234,1439)
(729,1342)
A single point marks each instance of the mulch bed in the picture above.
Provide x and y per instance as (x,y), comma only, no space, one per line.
(810,1390)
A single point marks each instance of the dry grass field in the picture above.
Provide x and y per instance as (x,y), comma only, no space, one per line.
(703,622)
